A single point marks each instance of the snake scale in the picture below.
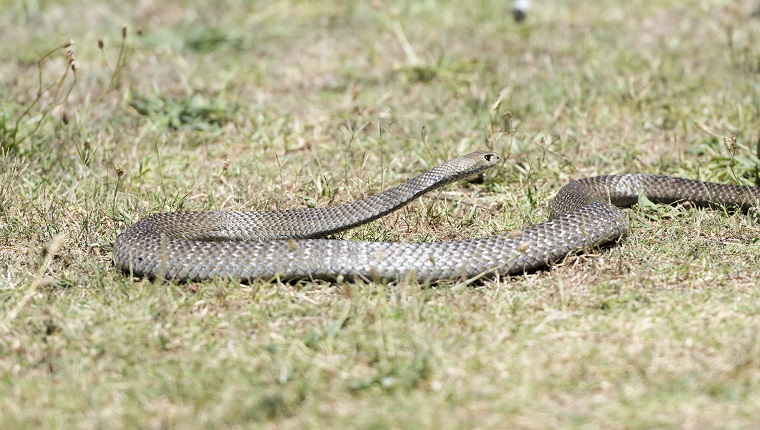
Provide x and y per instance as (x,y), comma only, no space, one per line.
(283,245)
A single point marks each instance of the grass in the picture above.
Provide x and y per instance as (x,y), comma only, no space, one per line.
(230,105)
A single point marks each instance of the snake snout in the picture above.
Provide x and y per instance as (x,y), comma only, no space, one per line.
(492,157)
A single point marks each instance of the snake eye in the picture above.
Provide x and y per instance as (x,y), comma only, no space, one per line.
(489,157)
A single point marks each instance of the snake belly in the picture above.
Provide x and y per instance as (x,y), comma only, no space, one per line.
(284,245)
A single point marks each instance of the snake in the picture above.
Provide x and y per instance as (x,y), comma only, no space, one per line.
(291,244)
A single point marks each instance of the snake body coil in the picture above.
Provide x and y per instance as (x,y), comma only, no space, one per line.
(269,245)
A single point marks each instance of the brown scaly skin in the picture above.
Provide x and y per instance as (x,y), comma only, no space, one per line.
(281,245)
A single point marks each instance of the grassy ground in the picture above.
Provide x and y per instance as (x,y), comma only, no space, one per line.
(313,103)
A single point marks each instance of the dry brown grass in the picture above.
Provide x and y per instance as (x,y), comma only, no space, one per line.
(315,103)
